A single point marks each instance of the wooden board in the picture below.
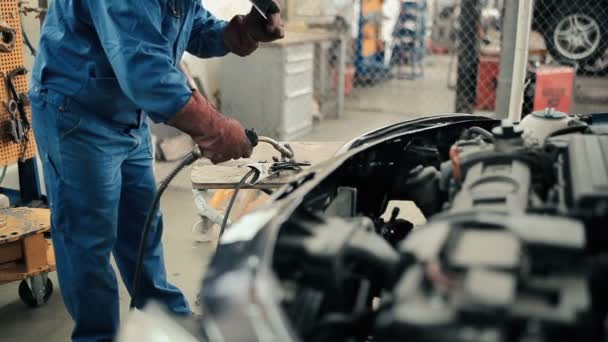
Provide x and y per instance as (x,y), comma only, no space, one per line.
(35,252)
(10,152)
(24,252)
(18,223)
(227,175)
(10,252)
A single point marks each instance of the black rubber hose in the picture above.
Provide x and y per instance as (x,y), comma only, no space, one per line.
(191,158)
(187,161)
(233,199)
(569,130)
(485,133)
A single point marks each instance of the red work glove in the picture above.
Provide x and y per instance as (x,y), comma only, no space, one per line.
(219,137)
(245,32)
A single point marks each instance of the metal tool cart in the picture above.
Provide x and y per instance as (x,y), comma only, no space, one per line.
(25,253)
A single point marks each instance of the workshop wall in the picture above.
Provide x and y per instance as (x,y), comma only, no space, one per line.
(31,25)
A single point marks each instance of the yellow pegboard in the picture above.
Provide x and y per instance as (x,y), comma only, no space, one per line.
(10,152)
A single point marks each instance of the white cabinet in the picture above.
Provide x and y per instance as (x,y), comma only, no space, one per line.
(271,90)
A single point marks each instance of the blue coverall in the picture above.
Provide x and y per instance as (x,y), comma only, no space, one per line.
(104,66)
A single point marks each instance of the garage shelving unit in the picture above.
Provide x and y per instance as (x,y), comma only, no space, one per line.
(408,47)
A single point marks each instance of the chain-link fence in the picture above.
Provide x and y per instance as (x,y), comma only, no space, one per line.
(575,33)
(390,65)
(377,60)
(412,58)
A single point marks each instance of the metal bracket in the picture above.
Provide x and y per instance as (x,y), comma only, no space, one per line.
(20,124)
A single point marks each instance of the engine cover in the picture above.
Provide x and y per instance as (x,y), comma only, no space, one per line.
(502,186)
(588,173)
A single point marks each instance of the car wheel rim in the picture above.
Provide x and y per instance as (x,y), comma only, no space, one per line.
(577,36)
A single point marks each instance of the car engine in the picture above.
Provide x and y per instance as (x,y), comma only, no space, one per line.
(513,250)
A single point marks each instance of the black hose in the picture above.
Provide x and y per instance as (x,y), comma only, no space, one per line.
(187,161)
(483,132)
(569,130)
(233,199)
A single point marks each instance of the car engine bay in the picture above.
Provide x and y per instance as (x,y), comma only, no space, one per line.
(513,250)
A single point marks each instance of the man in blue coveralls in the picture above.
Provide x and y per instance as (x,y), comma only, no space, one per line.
(103,67)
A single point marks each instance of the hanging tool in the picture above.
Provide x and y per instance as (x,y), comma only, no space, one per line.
(15,106)
(7,37)
(15,128)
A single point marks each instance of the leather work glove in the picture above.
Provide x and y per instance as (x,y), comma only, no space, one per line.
(244,33)
(219,137)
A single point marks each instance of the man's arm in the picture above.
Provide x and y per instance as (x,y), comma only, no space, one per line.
(140,55)
(207,36)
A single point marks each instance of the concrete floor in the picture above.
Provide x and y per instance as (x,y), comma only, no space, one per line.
(186,260)
(185,264)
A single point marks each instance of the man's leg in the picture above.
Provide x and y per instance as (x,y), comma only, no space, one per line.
(83,178)
(138,190)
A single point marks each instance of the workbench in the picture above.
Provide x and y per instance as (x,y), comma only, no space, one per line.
(206,176)
(212,184)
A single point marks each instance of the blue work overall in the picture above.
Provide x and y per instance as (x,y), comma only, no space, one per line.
(103,67)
